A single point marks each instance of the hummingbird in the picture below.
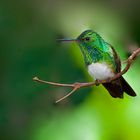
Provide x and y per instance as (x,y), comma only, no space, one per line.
(102,62)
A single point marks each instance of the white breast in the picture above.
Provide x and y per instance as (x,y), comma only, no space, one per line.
(100,71)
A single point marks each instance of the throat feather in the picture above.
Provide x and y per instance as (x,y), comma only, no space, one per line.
(92,54)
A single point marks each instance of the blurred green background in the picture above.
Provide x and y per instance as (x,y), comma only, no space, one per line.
(28,48)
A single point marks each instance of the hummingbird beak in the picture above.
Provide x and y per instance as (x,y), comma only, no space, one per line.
(67,40)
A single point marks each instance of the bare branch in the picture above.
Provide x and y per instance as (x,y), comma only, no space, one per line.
(64,97)
(77,86)
(52,83)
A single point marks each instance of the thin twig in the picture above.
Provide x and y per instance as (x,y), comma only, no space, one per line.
(77,86)
(52,83)
(64,97)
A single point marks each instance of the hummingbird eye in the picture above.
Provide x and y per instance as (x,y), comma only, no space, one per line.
(87,38)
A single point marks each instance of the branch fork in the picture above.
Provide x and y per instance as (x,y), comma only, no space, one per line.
(76,86)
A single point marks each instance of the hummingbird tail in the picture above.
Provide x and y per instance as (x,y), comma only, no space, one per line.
(114,88)
(127,88)
(117,87)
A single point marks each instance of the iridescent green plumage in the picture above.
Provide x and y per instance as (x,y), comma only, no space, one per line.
(102,62)
(95,49)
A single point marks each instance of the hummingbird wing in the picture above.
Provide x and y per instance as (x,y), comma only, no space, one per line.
(124,85)
(117,87)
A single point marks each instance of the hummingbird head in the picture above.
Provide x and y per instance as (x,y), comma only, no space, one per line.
(86,38)
(89,41)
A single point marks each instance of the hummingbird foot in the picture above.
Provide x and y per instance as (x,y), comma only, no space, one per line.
(108,80)
(97,82)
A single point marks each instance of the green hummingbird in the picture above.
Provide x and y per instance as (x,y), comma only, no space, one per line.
(102,62)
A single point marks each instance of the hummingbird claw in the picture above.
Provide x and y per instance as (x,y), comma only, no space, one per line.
(109,80)
(97,82)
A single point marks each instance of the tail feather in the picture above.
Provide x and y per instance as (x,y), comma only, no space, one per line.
(127,88)
(117,87)
(114,88)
